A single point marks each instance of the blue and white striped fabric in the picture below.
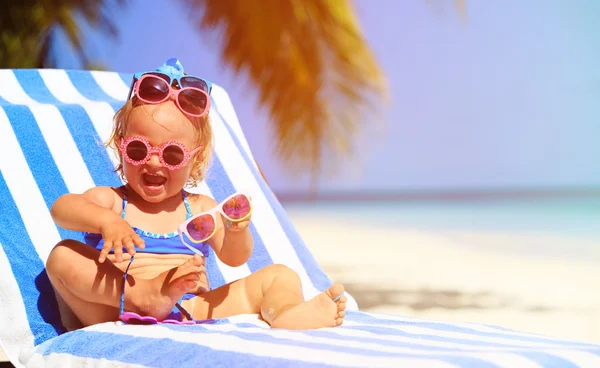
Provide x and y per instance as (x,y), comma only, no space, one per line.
(52,125)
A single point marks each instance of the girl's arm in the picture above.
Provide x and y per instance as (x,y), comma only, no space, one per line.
(94,212)
(87,212)
(233,246)
(237,245)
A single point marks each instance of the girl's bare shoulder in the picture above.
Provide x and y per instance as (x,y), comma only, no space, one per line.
(200,202)
(106,197)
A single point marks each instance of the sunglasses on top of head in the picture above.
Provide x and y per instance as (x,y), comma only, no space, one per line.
(192,95)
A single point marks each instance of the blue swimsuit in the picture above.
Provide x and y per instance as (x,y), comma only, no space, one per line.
(155,243)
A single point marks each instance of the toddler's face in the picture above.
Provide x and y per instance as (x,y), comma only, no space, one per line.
(159,124)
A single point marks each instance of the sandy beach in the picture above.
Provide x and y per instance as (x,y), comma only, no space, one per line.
(442,276)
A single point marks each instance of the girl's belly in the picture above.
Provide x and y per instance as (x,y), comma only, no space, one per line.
(150,265)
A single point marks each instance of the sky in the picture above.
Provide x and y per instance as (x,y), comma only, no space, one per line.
(508,99)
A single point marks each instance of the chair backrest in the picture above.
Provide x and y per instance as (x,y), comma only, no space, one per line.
(52,127)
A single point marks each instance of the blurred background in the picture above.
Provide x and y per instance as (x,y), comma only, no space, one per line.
(439,157)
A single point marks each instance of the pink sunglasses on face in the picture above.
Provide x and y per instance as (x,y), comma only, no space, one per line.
(152,89)
(172,154)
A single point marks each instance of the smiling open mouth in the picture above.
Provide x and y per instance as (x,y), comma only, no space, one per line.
(152,180)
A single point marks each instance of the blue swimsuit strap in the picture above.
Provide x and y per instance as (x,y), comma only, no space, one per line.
(188,210)
(124,203)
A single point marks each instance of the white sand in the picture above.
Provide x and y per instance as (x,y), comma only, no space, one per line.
(436,277)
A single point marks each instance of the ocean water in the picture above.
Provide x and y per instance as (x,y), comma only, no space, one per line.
(548,227)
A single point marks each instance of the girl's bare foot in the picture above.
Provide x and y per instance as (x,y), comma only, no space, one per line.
(321,311)
(157,297)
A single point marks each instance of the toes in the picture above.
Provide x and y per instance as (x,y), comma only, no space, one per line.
(335,291)
(339,321)
(342,299)
(197,260)
(194,264)
(341,306)
(192,277)
(341,314)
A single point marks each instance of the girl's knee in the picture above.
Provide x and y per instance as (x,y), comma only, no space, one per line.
(60,254)
(282,271)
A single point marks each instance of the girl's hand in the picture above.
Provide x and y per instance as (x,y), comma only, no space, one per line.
(117,233)
(235,226)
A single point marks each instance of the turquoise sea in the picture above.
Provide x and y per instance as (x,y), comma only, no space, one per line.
(546,227)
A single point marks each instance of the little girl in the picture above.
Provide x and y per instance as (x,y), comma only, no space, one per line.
(163,139)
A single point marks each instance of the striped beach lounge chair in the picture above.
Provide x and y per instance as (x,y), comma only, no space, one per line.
(52,126)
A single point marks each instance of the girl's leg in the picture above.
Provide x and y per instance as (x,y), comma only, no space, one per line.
(93,290)
(275,292)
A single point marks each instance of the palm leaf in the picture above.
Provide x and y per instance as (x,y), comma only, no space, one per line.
(311,65)
(28,29)
(308,59)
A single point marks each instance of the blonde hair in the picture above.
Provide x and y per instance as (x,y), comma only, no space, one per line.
(204,138)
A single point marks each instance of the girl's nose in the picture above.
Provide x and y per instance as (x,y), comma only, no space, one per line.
(154,160)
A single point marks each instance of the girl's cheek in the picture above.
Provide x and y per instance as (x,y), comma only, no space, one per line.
(129,171)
